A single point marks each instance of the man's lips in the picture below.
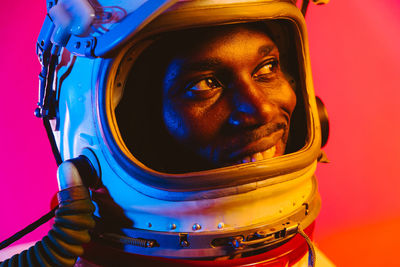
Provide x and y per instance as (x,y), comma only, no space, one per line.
(266,154)
(265,147)
(249,145)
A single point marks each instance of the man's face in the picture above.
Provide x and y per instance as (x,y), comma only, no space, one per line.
(225,97)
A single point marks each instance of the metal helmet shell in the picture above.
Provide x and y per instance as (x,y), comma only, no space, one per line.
(208,204)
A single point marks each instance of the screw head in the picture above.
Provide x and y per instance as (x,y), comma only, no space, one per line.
(150,244)
(172,226)
(37,113)
(184,244)
(221,225)
(236,242)
(261,234)
(196,227)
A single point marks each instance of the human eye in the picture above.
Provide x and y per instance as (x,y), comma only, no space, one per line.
(266,69)
(204,88)
(205,84)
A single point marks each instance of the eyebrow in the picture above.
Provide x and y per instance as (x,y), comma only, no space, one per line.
(265,50)
(180,68)
(214,63)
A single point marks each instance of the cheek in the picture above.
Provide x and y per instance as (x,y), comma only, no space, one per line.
(286,98)
(291,99)
(192,125)
(174,123)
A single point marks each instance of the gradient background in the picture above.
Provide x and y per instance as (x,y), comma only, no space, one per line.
(356,64)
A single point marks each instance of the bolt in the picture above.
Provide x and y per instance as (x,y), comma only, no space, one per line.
(236,242)
(37,113)
(150,244)
(184,244)
(261,233)
(196,227)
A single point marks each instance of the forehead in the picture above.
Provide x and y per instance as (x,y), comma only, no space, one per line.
(229,38)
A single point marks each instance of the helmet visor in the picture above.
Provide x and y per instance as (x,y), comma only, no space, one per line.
(213,97)
(186,109)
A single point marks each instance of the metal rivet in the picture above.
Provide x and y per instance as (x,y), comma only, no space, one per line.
(77,45)
(294,203)
(184,244)
(221,225)
(196,227)
(280,210)
(150,244)
(149,224)
(87,44)
(261,233)
(172,226)
(183,240)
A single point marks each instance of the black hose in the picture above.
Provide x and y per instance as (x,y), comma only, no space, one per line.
(53,144)
(45,218)
(63,244)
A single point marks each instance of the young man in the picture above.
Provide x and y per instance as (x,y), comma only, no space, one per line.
(195,127)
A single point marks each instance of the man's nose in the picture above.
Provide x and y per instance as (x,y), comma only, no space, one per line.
(252,105)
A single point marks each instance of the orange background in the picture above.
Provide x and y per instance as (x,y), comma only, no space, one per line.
(356,65)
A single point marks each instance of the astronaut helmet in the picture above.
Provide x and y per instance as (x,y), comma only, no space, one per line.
(147,92)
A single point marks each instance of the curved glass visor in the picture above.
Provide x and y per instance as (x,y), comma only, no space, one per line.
(212,97)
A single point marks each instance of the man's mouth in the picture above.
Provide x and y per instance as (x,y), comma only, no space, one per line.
(266,154)
(262,144)
(264,148)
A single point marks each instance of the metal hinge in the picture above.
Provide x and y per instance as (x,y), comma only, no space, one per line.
(264,237)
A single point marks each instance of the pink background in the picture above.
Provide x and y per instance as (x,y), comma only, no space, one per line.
(356,64)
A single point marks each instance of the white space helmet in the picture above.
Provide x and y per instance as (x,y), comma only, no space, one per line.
(188,213)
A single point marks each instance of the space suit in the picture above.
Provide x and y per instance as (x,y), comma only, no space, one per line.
(182,168)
